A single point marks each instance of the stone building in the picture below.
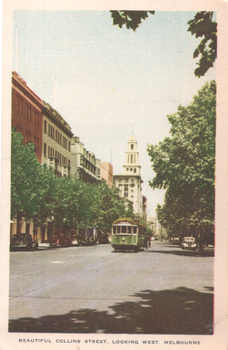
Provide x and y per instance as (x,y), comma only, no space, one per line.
(56,145)
(107,173)
(130,183)
(27,113)
(84,164)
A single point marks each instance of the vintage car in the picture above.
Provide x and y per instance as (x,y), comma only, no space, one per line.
(188,243)
(23,240)
(175,240)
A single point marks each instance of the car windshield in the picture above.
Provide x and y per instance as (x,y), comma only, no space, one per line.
(21,235)
(189,239)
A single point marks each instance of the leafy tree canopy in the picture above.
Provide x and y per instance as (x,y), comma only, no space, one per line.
(32,185)
(184,164)
(37,194)
(201,26)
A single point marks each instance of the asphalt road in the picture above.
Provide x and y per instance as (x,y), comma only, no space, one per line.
(161,290)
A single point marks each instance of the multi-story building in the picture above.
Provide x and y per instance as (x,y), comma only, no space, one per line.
(27,113)
(107,173)
(56,146)
(84,164)
(41,125)
(130,183)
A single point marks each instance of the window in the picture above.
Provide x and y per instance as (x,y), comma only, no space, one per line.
(114,230)
(37,145)
(69,146)
(134,170)
(45,149)
(18,103)
(131,158)
(35,141)
(128,229)
(45,126)
(124,229)
(28,136)
(125,190)
(29,113)
(132,146)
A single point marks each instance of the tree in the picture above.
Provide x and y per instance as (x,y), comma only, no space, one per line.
(109,206)
(32,185)
(201,26)
(184,165)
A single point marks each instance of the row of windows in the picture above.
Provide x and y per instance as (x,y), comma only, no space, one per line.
(27,111)
(131,169)
(131,158)
(56,135)
(28,137)
(126,181)
(86,164)
(54,154)
(124,229)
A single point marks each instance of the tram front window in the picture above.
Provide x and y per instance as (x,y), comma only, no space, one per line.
(124,229)
(114,230)
(129,229)
(118,229)
(134,229)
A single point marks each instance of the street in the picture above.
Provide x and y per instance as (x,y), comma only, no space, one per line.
(92,289)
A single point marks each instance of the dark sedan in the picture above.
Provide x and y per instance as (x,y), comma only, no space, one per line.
(23,240)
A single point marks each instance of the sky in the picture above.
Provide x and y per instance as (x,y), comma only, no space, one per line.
(107,82)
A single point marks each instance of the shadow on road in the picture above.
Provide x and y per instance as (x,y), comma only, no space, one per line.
(177,311)
(184,252)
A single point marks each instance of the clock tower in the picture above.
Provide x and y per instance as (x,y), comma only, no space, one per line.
(130,183)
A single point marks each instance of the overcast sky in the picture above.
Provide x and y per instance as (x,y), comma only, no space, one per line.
(107,82)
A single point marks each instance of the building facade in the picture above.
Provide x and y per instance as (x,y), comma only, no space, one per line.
(130,183)
(107,173)
(27,113)
(84,164)
(56,145)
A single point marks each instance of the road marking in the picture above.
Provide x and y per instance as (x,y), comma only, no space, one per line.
(57,262)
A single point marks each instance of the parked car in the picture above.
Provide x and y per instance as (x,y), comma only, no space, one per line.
(175,240)
(58,242)
(23,240)
(188,242)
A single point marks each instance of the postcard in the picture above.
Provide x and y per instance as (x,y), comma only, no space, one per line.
(114,192)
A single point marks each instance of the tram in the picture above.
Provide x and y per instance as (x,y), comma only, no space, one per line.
(128,235)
